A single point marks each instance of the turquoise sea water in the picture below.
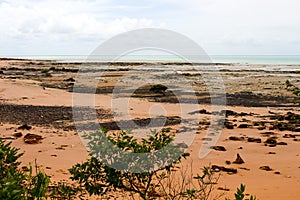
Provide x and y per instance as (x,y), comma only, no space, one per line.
(273,60)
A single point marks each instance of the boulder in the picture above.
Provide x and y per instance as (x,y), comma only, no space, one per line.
(238,160)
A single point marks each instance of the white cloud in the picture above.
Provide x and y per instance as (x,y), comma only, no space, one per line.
(220,26)
(65,21)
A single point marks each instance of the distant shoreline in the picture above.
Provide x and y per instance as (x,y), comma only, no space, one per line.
(147,62)
(166,59)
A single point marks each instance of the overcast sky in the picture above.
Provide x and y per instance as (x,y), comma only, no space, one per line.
(221,27)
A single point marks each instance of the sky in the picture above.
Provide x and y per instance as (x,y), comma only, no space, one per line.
(220,27)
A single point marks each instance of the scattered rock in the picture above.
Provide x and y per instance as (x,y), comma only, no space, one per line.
(256,140)
(267,134)
(224,169)
(238,160)
(262,128)
(282,143)
(266,168)
(289,136)
(32,138)
(229,125)
(278,173)
(235,138)
(272,153)
(218,148)
(70,80)
(244,126)
(224,189)
(25,127)
(271,141)
(244,168)
(18,135)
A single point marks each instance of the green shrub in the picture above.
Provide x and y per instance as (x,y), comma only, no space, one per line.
(99,179)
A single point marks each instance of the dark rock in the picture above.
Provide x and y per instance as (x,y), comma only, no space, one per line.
(223,189)
(256,140)
(289,136)
(229,125)
(261,128)
(203,111)
(272,153)
(25,127)
(271,140)
(18,135)
(70,80)
(278,173)
(32,138)
(256,124)
(224,169)
(218,148)
(266,168)
(244,126)
(282,143)
(267,134)
(229,113)
(234,138)
(243,168)
(228,162)
(238,160)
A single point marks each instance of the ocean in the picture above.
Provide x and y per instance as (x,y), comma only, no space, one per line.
(257,60)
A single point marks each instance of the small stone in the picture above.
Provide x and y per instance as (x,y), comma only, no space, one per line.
(289,136)
(267,134)
(32,138)
(278,173)
(224,169)
(244,126)
(234,138)
(255,140)
(228,162)
(243,168)
(218,148)
(271,141)
(266,168)
(239,160)
(25,127)
(18,135)
(224,189)
(282,143)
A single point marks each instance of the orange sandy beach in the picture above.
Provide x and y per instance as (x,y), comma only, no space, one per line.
(260,121)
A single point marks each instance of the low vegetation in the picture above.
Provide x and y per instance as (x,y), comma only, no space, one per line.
(94,177)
